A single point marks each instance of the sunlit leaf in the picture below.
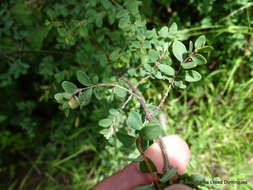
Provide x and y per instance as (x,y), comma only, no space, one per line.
(134,120)
(166,69)
(151,132)
(83,78)
(69,86)
(200,42)
(179,50)
(192,76)
(105,122)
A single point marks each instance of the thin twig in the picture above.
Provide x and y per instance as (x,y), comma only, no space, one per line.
(154,175)
(126,102)
(238,10)
(172,83)
(150,74)
(141,100)
(105,85)
(167,165)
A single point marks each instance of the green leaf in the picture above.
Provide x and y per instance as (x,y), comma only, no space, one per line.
(37,35)
(95,79)
(179,50)
(145,187)
(125,139)
(147,67)
(67,95)
(144,168)
(106,4)
(180,84)
(113,111)
(106,132)
(146,44)
(166,69)
(200,42)
(173,28)
(124,22)
(59,97)
(115,54)
(153,55)
(111,16)
(83,78)
(151,34)
(199,59)
(99,21)
(158,75)
(190,46)
(122,13)
(96,93)
(3,118)
(84,97)
(135,121)
(189,65)
(69,87)
(105,122)
(205,49)
(120,92)
(151,132)
(132,6)
(192,76)
(169,175)
(163,32)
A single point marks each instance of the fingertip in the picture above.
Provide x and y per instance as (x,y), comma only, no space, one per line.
(177,150)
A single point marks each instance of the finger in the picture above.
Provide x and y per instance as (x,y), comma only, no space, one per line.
(131,176)
(178,187)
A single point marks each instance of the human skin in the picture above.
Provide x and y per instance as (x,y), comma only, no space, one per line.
(131,176)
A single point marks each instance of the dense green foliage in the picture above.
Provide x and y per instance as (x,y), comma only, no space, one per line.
(43,43)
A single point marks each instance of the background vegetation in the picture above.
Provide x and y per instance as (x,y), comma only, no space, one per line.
(43,43)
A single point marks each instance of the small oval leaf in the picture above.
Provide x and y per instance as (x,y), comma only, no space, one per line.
(105,122)
(199,59)
(166,69)
(125,139)
(189,65)
(205,49)
(200,42)
(83,78)
(192,76)
(179,50)
(151,132)
(169,175)
(69,87)
(85,97)
(134,120)
(59,97)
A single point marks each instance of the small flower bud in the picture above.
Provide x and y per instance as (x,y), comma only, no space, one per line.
(73,104)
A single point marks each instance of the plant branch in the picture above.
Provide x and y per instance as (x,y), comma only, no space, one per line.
(154,175)
(172,83)
(141,100)
(105,85)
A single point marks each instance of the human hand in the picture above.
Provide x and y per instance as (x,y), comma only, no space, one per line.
(131,176)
